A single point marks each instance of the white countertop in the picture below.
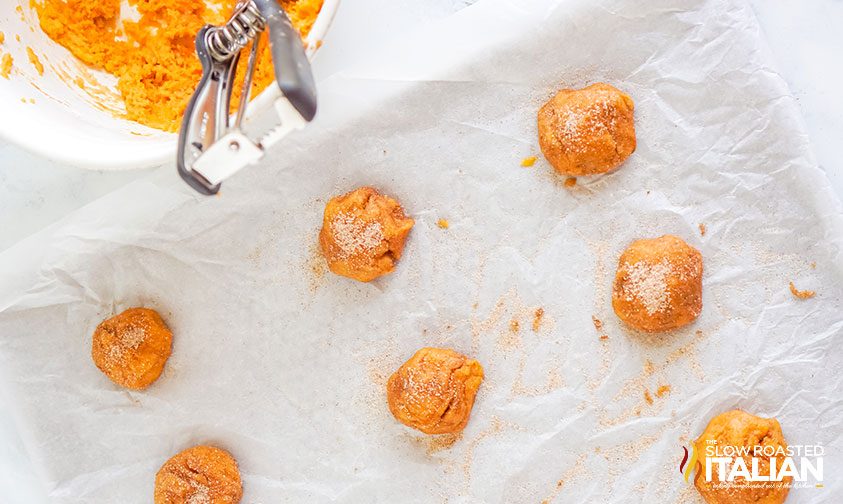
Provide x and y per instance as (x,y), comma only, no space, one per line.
(804,38)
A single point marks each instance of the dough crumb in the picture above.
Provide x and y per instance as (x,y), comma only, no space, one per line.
(702,229)
(801,294)
(514,325)
(598,324)
(648,397)
(528,161)
(33,58)
(6,66)
(662,391)
(570,182)
(2,37)
(604,337)
(814,265)
(443,223)
(538,315)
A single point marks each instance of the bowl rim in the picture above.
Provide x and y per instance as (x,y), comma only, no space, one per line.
(159,153)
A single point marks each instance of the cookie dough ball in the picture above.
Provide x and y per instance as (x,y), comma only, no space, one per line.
(202,474)
(131,348)
(587,131)
(363,234)
(658,285)
(434,390)
(736,429)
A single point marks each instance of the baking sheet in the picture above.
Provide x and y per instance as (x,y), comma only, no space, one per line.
(284,364)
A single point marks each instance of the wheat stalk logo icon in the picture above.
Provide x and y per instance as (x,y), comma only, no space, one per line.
(686,467)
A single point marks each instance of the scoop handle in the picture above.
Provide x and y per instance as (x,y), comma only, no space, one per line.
(292,68)
(206,116)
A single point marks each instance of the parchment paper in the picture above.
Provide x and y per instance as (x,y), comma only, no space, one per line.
(284,364)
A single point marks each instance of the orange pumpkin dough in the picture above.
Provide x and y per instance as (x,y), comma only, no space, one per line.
(658,285)
(202,474)
(737,429)
(363,234)
(131,348)
(587,131)
(154,58)
(434,391)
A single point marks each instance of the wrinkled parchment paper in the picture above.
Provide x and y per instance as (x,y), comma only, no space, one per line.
(284,364)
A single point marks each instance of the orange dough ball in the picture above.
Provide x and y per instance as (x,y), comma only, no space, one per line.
(658,285)
(434,391)
(363,234)
(587,131)
(737,429)
(199,475)
(131,348)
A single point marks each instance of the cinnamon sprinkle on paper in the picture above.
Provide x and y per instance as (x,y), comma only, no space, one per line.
(538,315)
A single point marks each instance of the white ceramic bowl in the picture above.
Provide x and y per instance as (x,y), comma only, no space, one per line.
(53,117)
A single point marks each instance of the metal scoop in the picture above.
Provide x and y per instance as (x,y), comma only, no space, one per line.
(210,148)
